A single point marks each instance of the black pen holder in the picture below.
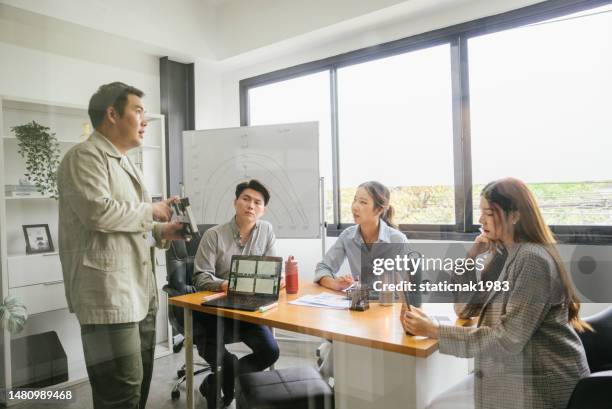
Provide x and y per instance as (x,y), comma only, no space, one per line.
(359,299)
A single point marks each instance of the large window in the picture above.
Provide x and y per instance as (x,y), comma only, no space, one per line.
(526,94)
(395,126)
(300,99)
(541,104)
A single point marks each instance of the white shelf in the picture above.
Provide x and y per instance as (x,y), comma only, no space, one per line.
(21,255)
(64,141)
(14,138)
(59,108)
(31,105)
(28,197)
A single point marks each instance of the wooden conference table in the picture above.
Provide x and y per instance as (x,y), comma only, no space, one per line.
(375,363)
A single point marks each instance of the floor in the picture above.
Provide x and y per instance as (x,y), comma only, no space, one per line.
(293,353)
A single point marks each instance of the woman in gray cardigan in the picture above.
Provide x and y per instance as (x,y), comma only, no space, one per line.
(526,351)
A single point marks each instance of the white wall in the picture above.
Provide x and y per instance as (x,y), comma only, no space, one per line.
(34,74)
(46,59)
(208,96)
(186,27)
(243,26)
(265,22)
(220,29)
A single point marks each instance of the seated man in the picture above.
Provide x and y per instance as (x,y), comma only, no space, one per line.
(247,235)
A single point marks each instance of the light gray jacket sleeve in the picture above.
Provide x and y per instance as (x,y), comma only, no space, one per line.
(204,277)
(332,261)
(531,281)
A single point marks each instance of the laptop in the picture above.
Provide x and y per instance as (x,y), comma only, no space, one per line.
(254,282)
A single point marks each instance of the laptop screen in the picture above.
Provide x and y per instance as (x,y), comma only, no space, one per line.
(255,275)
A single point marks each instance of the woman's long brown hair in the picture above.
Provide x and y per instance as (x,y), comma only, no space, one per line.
(512,195)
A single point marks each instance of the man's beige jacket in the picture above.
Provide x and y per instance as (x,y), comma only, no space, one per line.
(105,216)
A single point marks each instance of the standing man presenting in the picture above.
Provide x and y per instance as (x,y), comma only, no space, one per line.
(106,230)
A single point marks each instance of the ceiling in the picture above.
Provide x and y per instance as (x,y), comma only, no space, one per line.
(215,30)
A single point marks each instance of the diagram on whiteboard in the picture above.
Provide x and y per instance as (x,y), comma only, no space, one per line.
(283,157)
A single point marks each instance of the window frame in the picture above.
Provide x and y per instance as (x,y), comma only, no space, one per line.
(457,37)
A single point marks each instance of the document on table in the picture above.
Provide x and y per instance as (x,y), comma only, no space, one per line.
(443,312)
(323,300)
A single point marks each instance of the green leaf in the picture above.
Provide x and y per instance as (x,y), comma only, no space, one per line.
(40,149)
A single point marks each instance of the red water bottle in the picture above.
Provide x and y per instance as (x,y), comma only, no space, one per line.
(291,275)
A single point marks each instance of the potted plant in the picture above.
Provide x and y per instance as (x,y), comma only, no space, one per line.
(13,314)
(40,149)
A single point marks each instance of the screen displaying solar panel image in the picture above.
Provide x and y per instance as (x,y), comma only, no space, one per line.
(247,267)
(266,268)
(266,277)
(256,276)
(265,285)
(244,284)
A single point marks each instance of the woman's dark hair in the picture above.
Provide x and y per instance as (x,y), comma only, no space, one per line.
(114,94)
(256,186)
(512,195)
(381,196)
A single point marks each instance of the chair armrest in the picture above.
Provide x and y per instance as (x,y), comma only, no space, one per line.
(601,374)
(173,292)
(592,392)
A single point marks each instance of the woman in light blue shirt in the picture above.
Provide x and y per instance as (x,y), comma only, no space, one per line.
(373,217)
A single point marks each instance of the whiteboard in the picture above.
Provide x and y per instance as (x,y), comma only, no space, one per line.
(285,158)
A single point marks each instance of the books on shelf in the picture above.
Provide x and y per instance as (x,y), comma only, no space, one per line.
(21,190)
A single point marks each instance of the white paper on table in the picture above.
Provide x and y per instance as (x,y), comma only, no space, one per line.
(323,300)
(443,312)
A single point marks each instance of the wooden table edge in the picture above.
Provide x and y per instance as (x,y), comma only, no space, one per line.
(261,319)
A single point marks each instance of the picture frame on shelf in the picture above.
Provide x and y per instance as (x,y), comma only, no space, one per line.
(37,238)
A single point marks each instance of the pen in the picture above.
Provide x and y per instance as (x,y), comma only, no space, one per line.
(349,287)
(213,296)
(268,307)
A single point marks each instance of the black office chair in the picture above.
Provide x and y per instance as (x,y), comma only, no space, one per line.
(179,273)
(593,392)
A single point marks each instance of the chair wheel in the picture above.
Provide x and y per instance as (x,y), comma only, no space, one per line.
(175,394)
(180,373)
